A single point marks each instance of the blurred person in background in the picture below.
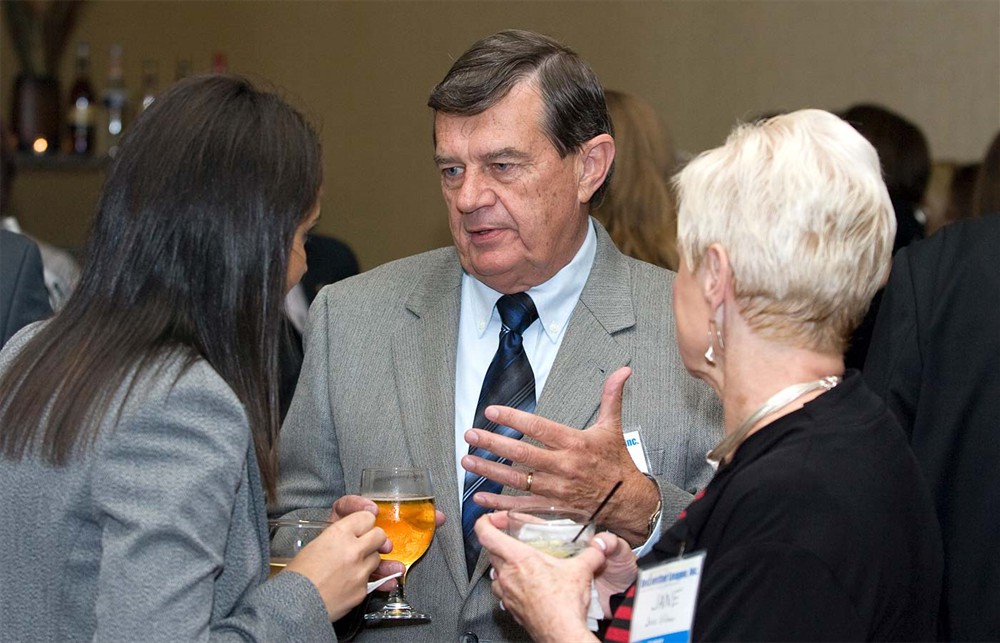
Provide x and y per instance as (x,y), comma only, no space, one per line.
(330,260)
(638,208)
(935,359)
(906,166)
(23,297)
(986,196)
(961,192)
(60,270)
(140,423)
(818,524)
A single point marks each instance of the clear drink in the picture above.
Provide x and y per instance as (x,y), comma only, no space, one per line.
(277,565)
(288,536)
(559,548)
(556,531)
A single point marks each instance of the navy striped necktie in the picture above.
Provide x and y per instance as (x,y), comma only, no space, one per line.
(509,381)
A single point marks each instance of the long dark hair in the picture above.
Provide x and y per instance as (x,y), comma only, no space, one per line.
(187,256)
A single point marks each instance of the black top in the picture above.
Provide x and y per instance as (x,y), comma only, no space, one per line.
(820,528)
(935,358)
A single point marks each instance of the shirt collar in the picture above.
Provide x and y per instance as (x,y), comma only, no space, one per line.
(555,299)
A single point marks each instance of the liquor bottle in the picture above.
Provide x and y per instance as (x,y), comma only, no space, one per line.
(150,80)
(115,101)
(82,108)
(219,64)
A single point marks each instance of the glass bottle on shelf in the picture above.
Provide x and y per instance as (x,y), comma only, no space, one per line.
(150,81)
(219,64)
(81,113)
(183,69)
(115,101)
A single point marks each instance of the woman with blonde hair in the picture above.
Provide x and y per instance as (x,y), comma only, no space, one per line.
(638,209)
(817,525)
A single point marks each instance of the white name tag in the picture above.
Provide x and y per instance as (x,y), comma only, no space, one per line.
(665,598)
(634,445)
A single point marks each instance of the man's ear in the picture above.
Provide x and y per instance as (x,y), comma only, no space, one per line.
(596,156)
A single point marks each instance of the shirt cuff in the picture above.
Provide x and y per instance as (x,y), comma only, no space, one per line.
(594,611)
(654,533)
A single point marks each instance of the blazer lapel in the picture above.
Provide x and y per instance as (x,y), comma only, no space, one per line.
(589,352)
(424,355)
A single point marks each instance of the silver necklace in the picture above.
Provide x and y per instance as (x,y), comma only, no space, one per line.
(777,401)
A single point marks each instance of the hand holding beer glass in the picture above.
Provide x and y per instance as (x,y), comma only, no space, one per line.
(405,502)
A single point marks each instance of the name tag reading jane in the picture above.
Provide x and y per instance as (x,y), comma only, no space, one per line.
(665,598)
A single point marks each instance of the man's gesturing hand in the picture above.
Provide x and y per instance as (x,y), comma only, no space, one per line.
(575,468)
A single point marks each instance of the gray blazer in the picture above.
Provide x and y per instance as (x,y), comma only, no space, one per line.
(159,533)
(378,388)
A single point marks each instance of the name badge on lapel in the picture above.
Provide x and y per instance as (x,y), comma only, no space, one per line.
(665,598)
(635,449)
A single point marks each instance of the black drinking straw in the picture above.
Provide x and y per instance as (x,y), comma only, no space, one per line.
(598,510)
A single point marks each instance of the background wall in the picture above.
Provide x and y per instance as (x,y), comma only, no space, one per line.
(362,71)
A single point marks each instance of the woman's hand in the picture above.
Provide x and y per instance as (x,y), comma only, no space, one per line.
(548,596)
(619,572)
(347,505)
(341,559)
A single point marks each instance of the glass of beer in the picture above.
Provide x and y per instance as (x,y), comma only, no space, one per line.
(288,537)
(405,502)
(558,532)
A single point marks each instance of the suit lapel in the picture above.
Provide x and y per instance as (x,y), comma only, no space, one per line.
(424,356)
(589,352)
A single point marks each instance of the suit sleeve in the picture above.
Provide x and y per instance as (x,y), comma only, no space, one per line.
(26,299)
(894,363)
(311,476)
(703,426)
(164,487)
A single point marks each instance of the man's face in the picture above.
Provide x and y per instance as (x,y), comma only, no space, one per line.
(516,210)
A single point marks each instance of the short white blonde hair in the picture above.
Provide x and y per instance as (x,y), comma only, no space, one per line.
(799,204)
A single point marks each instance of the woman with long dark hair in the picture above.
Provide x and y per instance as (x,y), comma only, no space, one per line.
(140,425)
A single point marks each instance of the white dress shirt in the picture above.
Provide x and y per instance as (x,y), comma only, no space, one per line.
(479,336)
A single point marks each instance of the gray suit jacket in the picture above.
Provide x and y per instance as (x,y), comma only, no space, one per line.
(159,533)
(378,388)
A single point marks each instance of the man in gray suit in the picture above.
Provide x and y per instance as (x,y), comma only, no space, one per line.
(396,357)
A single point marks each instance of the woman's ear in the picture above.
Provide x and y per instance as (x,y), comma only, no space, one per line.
(596,157)
(715,276)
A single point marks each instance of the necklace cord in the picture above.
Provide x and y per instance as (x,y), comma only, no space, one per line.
(777,401)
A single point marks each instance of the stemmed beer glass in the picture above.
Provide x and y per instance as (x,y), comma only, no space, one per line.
(405,502)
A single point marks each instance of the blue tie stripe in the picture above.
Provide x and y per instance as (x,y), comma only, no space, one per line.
(509,381)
